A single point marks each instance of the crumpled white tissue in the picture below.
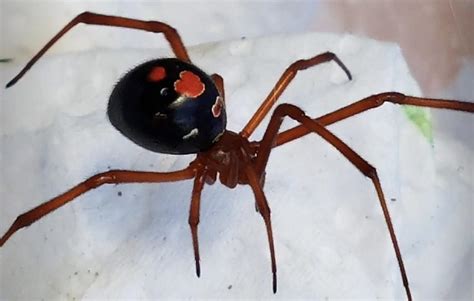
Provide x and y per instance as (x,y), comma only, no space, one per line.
(133,241)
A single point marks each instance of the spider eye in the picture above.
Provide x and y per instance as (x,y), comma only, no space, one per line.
(164,92)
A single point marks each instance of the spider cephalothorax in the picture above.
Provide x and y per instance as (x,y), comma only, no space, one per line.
(172,106)
(227,158)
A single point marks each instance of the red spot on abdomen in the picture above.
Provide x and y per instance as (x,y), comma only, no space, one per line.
(189,84)
(157,74)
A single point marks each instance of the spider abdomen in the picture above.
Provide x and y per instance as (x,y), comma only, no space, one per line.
(168,106)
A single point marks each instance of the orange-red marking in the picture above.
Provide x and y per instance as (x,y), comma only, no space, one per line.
(189,84)
(217,107)
(157,74)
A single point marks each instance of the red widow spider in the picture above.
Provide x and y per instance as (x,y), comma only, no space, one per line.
(171,106)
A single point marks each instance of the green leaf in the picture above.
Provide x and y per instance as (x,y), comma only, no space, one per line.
(421,117)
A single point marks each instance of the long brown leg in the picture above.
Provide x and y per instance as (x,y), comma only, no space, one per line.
(370,103)
(194,209)
(264,210)
(219,81)
(109,177)
(98,19)
(283,83)
(364,167)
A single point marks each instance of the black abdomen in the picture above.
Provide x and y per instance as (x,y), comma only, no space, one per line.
(168,106)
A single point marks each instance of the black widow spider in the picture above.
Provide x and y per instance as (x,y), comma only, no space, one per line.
(171,106)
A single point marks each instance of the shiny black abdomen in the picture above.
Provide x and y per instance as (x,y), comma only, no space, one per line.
(168,106)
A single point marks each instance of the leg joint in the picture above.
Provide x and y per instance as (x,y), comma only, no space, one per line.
(297,65)
(286,109)
(100,179)
(370,172)
(24,220)
(393,97)
(83,17)
(193,221)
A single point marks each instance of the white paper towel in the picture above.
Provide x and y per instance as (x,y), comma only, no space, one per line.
(133,241)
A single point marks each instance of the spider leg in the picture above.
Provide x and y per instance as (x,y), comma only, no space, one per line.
(370,103)
(264,209)
(109,177)
(219,81)
(363,166)
(194,209)
(285,79)
(98,19)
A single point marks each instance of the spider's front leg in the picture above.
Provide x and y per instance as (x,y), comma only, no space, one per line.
(372,102)
(194,211)
(170,33)
(261,205)
(109,177)
(310,125)
(285,79)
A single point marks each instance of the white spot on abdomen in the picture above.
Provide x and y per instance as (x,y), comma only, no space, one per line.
(194,132)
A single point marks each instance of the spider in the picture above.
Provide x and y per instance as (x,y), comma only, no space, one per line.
(171,106)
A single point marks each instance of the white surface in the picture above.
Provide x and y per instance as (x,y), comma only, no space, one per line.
(430,33)
(198,21)
(331,240)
